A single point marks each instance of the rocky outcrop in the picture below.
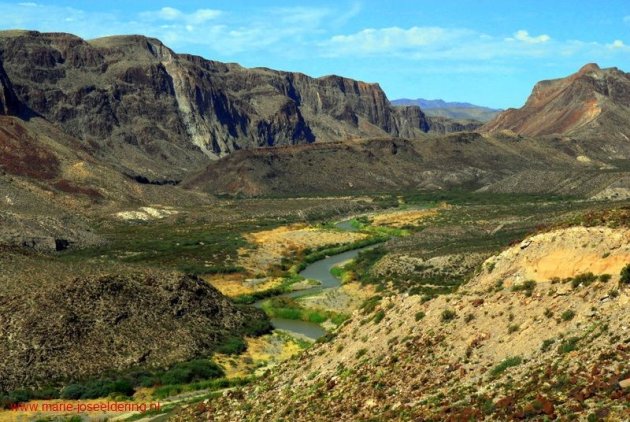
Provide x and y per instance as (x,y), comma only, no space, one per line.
(8,102)
(443,125)
(593,102)
(152,112)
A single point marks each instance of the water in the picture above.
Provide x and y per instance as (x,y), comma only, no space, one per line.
(320,271)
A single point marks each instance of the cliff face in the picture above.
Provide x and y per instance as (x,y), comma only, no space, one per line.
(8,101)
(592,101)
(150,111)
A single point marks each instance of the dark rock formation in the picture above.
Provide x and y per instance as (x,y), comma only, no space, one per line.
(150,111)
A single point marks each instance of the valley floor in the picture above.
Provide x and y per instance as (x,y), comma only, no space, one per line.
(427,296)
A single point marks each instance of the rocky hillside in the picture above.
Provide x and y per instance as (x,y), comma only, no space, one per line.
(78,327)
(466,160)
(139,106)
(591,103)
(541,332)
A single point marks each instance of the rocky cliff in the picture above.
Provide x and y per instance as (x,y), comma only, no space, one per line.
(150,111)
(593,102)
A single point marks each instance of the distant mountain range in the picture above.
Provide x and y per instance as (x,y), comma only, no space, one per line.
(452,110)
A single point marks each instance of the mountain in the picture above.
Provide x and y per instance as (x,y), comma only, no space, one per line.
(593,103)
(452,110)
(147,111)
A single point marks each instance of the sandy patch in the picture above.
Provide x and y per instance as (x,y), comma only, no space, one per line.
(236,284)
(146,213)
(404,218)
(562,253)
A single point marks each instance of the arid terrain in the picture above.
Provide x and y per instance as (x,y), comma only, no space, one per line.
(252,244)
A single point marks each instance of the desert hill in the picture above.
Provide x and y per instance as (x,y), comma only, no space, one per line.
(592,103)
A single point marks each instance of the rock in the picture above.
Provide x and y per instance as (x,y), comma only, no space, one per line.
(625,383)
(131,97)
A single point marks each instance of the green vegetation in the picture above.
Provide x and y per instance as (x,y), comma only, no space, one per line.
(369,305)
(289,308)
(165,391)
(546,344)
(419,315)
(378,316)
(583,279)
(605,278)
(568,345)
(512,328)
(624,276)
(527,287)
(122,384)
(568,315)
(448,315)
(504,365)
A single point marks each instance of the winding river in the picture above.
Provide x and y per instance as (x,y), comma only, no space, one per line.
(320,271)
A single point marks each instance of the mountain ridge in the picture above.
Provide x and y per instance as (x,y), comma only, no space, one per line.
(150,111)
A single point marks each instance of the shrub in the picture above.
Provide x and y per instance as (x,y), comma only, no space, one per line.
(527,287)
(548,313)
(448,315)
(378,317)
(584,279)
(513,328)
(568,345)
(232,346)
(605,278)
(469,317)
(507,363)
(419,315)
(187,372)
(73,392)
(361,353)
(370,304)
(624,276)
(546,345)
(568,315)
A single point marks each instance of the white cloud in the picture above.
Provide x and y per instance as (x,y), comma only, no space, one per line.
(197,17)
(392,40)
(617,44)
(524,36)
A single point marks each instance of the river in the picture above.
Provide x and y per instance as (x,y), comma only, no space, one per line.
(320,271)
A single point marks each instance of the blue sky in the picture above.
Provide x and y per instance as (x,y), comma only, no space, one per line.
(485,52)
